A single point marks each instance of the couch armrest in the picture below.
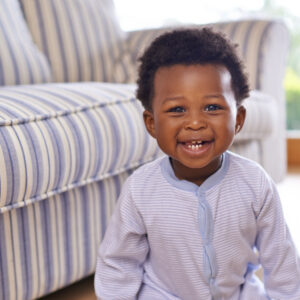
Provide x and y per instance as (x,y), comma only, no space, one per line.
(261,117)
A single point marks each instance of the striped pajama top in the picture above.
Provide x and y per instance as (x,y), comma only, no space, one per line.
(170,239)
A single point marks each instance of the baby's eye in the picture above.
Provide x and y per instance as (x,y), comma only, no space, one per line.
(212,107)
(177,109)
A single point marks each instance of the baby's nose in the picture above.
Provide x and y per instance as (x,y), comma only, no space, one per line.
(196,122)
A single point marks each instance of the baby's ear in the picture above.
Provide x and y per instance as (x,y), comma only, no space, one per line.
(240,118)
(149,122)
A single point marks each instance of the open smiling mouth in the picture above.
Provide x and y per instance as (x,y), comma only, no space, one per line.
(195,145)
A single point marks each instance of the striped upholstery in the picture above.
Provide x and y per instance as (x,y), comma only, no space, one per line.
(60,136)
(20,60)
(72,146)
(248,34)
(53,243)
(82,39)
(262,117)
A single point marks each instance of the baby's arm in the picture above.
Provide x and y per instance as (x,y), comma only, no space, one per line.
(278,255)
(122,252)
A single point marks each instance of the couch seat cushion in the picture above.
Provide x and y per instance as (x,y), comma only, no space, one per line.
(55,137)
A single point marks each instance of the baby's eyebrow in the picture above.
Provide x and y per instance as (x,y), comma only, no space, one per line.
(214,96)
(173,98)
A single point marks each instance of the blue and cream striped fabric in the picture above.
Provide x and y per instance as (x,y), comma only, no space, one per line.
(82,39)
(20,60)
(56,137)
(65,150)
(53,243)
(250,35)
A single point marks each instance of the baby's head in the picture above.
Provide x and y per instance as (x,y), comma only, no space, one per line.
(191,83)
(190,47)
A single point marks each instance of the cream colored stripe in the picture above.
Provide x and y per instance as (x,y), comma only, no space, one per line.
(80,261)
(83,137)
(91,145)
(73,234)
(26,162)
(94,192)
(123,130)
(19,163)
(50,156)
(42,158)
(32,21)
(52,40)
(111,191)
(80,40)
(253,46)
(11,262)
(107,137)
(92,35)
(239,37)
(60,240)
(54,242)
(68,139)
(93,223)
(105,48)
(67,38)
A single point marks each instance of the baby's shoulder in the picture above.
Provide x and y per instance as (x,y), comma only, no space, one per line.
(243,165)
(248,172)
(146,173)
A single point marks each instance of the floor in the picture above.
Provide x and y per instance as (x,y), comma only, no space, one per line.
(289,191)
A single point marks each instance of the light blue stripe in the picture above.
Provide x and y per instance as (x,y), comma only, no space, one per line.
(67,237)
(4,284)
(98,141)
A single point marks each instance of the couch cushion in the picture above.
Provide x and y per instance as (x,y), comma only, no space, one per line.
(20,60)
(82,39)
(55,137)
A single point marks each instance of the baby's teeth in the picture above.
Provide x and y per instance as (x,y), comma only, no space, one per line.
(194,146)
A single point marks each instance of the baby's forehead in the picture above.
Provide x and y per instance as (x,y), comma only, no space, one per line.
(195,80)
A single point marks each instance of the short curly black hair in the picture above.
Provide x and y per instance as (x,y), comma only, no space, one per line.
(190,46)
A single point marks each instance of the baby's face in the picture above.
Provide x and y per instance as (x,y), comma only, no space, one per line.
(194,117)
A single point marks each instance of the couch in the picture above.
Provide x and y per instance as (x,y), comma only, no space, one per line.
(71,130)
